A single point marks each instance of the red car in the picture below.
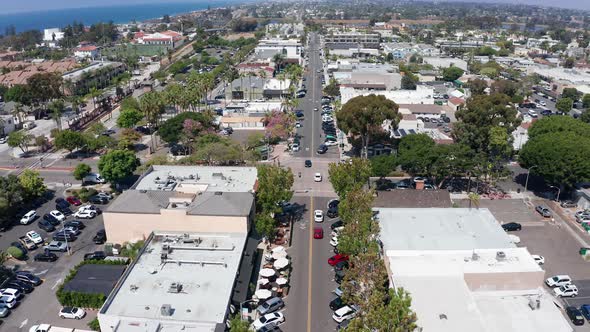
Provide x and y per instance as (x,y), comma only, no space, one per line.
(73,200)
(318,233)
(337,259)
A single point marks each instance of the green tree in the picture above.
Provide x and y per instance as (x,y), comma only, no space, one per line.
(383,165)
(32,184)
(11,199)
(97,128)
(385,311)
(364,116)
(556,124)
(265,225)
(171,130)
(332,89)
(274,186)
(236,324)
(564,105)
(81,171)
(116,165)
(15,252)
(57,108)
(130,103)
(452,73)
(255,140)
(152,105)
(409,81)
(349,176)
(366,275)
(585,117)
(586,101)
(569,62)
(19,139)
(571,93)
(416,154)
(358,235)
(69,140)
(129,118)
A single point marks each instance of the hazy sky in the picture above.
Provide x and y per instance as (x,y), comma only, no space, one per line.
(35,5)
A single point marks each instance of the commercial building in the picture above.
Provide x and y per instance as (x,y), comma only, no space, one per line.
(371,76)
(169,39)
(86,52)
(290,49)
(422,95)
(464,273)
(346,40)
(406,50)
(444,62)
(97,74)
(180,282)
(200,199)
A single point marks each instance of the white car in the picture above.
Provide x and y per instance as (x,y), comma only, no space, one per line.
(10,292)
(28,217)
(318,216)
(334,241)
(275,318)
(566,291)
(317,177)
(345,313)
(295,147)
(330,143)
(35,237)
(539,259)
(57,215)
(543,103)
(297,124)
(558,280)
(72,313)
(85,214)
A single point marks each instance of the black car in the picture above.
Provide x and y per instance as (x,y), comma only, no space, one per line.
(27,276)
(75,223)
(322,149)
(546,112)
(341,266)
(308,163)
(333,203)
(45,257)
(46,226)
(100,237)
(97,255)
(299,114)
(179,150)
(337,303)
(332,212)
(339,276)
(20,246)
(51,219)
(336,224)
(23,286)
(512,226)
(64,236)
(575,315)
(61,203)
(98,200)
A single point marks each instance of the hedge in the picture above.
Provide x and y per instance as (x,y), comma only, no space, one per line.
(83,300)
(15,252)
(94,325)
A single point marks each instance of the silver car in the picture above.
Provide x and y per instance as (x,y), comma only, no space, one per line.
(544,211)
(56,246)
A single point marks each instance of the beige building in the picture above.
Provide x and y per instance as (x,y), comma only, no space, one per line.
(199,199)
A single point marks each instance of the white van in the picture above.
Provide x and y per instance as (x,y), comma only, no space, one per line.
(533,113)
(93,178)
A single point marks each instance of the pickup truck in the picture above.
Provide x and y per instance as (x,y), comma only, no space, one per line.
(28,243)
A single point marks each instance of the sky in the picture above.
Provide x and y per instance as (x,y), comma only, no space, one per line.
(37,5)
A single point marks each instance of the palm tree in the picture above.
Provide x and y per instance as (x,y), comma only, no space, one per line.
(17,112)
(473,199)
(279,60)
(57,108)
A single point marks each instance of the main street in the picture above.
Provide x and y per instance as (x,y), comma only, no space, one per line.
(312,279)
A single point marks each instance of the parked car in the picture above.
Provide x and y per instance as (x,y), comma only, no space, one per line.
(322,149)
(46,226)
(23,286)
(339,276)
(93,178)
(318,216)
(97,255)
(73,200)
(558,280)
(585,309)
(27,243)
(12,292)
(512,226)
(539,259)
(318,233)
(47,256)
(8,301)
(345,313)
(61,204)
(64,236)
(35,237)
(271,305)
(576,315)
(543,210)
(334,241)
(100,237)
(72,313)
(340,266)
(337,259)
(56,246)
(85,214)
(268,319)
(569,290)
(317,177)
(27,276)
(51,219)
(98,200)
(337,224)
(332,212)
(75,223)
(568,204)
(337,303)
(73,230)
(57,215)
(28,217)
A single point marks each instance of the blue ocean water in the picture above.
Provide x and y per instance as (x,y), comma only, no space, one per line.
(119,14)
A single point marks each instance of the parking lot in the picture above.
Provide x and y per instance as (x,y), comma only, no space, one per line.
(41,306)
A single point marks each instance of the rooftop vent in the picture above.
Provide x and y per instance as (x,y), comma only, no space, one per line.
(474,256)
(133,288)
(166,310)
(143,191)
(218,193)
(500,255)
(175,287)
(442,316)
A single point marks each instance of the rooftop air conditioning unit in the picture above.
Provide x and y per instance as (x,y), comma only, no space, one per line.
(500,255)
(175,287)
(166,310)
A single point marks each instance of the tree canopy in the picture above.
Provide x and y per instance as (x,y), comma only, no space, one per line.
(348,176)
(116,165)
(452,73)
(172,129)
(274,186)
(129,118)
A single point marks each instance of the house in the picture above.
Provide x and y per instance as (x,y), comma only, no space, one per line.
(202,199)
(456,103)
(86,52)
(52,36)
(169,38)
(464,273)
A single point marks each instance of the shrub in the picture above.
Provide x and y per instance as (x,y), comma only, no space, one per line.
(94,325)
(85,193)
(15,252)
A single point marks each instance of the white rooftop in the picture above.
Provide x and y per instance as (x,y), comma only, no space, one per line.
(440,229)
(199,178)
(195,277)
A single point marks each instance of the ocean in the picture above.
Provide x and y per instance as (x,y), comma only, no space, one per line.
(40,20)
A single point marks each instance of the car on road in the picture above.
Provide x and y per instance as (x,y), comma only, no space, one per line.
(318,233)
(56,246)
(318,216)
(322,149)
(85,214)
(299,114)
(274,318)
(57,215)
(569,290)
(512,226)
(28,217)
(337,259)
(345,313)
(29,277)
(539,259)
(543,210)
(558,280)
(73,200)
(317,177)
(72,313)
(97,255)
(271,305)
(35,237)
(46,226)
(295,147)
(100,237)
(575,315)
(308,163)
(47,256)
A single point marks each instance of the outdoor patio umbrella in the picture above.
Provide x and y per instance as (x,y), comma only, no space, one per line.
(282,281)
(278,249)
(263,294)
(267,272)
(281,263)
(280,254)
(263,281)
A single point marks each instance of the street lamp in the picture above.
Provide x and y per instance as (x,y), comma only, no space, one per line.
(527,177)
(558,191)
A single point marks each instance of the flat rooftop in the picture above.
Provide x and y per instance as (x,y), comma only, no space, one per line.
(193,274)
(199,178)
(92,67)
(440,229)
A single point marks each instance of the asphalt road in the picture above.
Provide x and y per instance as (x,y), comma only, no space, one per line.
(312,279)
(41,305)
